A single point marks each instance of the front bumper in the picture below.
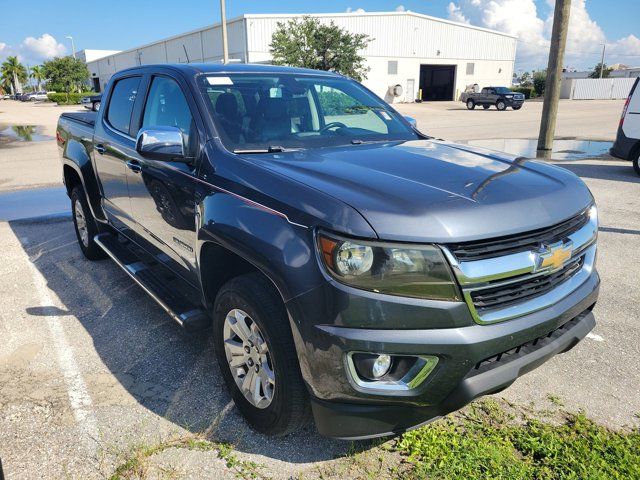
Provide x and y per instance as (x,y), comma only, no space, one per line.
(512,102)
(359,421)
(359,321)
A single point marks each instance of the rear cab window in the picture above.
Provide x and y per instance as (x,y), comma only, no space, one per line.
(121,104)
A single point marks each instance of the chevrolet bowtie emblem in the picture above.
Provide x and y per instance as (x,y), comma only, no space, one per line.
(554,256)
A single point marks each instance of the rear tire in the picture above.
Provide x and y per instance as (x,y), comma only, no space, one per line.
(96,106)
(251,304)
(85,225)
(636,164)
(471,104)
(500,105)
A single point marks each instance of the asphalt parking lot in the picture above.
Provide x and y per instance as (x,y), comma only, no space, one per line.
(91,368)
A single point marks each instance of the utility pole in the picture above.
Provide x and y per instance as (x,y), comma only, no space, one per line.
(604,46)
(225,47)
(73,45)
(554,74)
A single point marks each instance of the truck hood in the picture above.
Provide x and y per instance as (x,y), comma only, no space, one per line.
(432,191)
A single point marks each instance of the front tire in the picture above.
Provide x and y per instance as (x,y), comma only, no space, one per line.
(96,106)
(517,108)
(257,356)
(85,225)
(500,105)
(636,164)
(471,104)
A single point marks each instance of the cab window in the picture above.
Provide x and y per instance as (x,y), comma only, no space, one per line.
(167,106)
(121,104)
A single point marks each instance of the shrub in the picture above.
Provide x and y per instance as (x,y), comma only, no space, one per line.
(529,92)
(540,81)
(73,98)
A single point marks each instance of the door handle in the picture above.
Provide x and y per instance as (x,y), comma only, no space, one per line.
(100,148)
(134,166)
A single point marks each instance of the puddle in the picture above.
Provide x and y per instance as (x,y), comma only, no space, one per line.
(562,149)
(23,133)
(38,202)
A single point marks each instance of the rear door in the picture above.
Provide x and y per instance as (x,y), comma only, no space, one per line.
(114,147)
(631,123)
(164,194)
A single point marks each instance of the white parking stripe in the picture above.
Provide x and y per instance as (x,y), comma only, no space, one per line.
(79,397)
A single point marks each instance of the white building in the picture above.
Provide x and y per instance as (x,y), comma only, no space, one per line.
(435,57)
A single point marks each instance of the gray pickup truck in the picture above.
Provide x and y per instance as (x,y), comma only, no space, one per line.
(347,265)
(500,97)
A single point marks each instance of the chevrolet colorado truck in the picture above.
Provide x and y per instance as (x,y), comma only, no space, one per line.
(500,97)
(349,267)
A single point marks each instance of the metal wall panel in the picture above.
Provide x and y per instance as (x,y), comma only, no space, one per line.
(601,88)
(401,35)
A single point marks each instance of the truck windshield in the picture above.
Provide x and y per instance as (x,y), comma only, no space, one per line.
(256,113)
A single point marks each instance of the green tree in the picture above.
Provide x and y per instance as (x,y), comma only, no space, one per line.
(525,80)
(540,81)
(37,73)
(66,73)
(596,71)
(16,73)
(308,43)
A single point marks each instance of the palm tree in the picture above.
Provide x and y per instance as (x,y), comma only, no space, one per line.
(37,73)
(15,71)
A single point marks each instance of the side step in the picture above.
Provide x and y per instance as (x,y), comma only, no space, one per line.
(177,298)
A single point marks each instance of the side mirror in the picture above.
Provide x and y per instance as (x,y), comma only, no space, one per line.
(161,143)
(412,121)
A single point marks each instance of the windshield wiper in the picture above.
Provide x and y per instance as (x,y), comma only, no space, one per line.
(271,149)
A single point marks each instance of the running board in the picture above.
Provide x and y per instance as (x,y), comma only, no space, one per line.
(161,285)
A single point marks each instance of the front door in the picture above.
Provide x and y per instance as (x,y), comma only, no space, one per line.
(163,193)
(113,148)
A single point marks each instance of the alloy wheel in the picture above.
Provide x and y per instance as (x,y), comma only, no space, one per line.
(249,359)
(81,223)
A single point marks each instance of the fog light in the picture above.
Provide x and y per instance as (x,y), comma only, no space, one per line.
(372,366)
(381,366)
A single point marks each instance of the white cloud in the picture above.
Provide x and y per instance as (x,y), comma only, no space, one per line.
(357,10)
(43,48)
(521,18)
(400,8)
(34,50)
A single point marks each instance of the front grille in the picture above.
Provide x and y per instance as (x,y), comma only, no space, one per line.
(525,348)
(523,290)
(496,247)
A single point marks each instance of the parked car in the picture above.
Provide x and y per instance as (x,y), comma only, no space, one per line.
(627,144)
(92,102)
(351,266)
(5,96)
(500,97)
(35,97)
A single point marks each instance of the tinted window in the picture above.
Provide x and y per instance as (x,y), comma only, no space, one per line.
(121,103)
(256,112)
(167,107)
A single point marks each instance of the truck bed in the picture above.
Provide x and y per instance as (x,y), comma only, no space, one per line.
(88,118)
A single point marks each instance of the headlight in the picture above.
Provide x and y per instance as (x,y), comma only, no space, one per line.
(419,271)
(593,213)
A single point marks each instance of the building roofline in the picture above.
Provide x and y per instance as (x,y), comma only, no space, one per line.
(248,16)
(374,14)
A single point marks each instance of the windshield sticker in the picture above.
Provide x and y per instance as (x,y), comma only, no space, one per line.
(219,81)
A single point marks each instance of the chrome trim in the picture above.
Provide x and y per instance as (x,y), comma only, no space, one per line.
(424,366)
(490,269)
(535,304)
(495,272)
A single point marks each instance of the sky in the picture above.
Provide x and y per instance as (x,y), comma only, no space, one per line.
(119,25)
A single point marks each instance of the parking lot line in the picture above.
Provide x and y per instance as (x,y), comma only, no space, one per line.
(77,391)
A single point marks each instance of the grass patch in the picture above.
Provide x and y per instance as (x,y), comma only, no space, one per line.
(488,442)
(136,464)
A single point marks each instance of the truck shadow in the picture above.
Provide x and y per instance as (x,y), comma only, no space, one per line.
(167,371)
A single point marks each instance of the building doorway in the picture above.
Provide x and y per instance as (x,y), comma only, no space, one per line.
(437,82)
(96,84)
